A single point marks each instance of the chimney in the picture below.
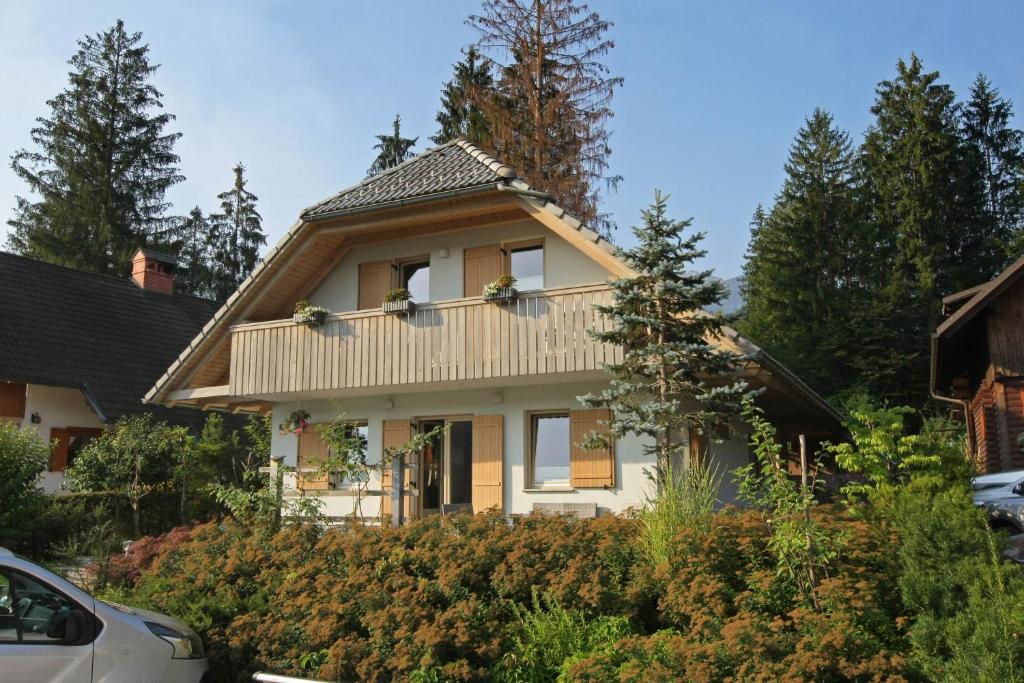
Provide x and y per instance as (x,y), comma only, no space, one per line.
(154,270)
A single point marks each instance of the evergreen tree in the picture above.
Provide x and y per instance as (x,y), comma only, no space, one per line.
(102,162)
(999,153)
(673,376)
(236,237)
(925,198)
(392,149)
(194,262)
(549,109)
(460,116)
(796,278)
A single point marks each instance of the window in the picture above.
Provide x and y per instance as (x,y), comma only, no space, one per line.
(359,433)
(550,446)
(31,612)
(526,264)
(415,277)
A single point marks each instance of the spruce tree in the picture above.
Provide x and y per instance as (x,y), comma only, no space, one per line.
(998,151)
(673,376)
(194,274)
(925,198)
(797,273)
(549,109)
(102,162)
(460,116)
(392,149)
(236,237)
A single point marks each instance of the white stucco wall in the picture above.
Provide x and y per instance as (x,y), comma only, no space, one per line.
(630,461)
(57,407)
(564,264)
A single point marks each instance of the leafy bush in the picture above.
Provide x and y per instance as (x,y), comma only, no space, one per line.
(23,458)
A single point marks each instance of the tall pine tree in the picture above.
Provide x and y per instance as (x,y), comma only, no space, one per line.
(797,274)
(194,275)
(392,149)
(998,151)
(102,162)
(549,109)
(925,198)
(460,116)
(673,376)
(236,237)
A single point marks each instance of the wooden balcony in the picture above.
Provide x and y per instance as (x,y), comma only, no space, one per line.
(464,340)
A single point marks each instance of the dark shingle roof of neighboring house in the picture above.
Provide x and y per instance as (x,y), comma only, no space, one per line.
(161,256)
(451,167)
(104,335)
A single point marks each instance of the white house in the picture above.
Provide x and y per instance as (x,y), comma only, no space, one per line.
(504,375)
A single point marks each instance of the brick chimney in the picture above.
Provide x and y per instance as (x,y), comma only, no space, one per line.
(154,270)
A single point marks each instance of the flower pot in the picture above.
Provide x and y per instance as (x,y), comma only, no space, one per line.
(502,294)
(310,319)
(399,307)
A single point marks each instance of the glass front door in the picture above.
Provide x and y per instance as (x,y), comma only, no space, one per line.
(447,465)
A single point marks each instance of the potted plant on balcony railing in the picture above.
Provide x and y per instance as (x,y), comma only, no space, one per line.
(308,314)
(502,289)
(297,422)
(397,301)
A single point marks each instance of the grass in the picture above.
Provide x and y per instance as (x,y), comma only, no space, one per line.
(684,499)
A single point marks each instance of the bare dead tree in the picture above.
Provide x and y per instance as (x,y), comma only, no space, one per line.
(550,105)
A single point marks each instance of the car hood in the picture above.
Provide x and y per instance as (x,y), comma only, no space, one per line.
(149,615)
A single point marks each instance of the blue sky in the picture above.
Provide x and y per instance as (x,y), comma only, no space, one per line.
(713,94)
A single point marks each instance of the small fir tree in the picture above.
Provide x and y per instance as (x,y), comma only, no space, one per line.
(674,376)
(102,162)
(236,237)
(392,149)
(194,274)
(460,115)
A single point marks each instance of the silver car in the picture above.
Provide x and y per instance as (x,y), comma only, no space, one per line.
(51,631)
(988,487)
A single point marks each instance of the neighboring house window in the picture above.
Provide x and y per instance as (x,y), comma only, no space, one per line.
(68,442)
(415,277)
(360,430)
(549,449)
(526,264)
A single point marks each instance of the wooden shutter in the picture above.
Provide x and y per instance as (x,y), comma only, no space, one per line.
(313,452)
(60,439)
(480,267)
(374,282)
(590,467)
(488,462)
(396,433)
(12,400)
(697,446)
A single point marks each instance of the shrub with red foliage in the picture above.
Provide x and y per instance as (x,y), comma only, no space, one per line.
(437,596)
(126,567)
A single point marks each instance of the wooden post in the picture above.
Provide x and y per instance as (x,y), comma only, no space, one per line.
(803,461)
(397,480)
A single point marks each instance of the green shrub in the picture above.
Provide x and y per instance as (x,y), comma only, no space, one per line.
(684,500)
(23,458)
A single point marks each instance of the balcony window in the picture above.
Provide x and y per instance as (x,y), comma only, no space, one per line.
(550,446)
(526,264)
(416,278)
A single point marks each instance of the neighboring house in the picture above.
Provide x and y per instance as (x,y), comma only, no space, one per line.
(79,350)
(504,376)
(978,362)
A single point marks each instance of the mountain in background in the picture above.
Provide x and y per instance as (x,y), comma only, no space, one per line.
(733,300)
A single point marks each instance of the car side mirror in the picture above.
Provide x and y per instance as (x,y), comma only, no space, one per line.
(1018,490)
(75,627)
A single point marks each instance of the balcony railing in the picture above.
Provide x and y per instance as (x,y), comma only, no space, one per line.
(538,333)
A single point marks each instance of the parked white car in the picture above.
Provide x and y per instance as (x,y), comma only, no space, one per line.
(51,631)
(989,487)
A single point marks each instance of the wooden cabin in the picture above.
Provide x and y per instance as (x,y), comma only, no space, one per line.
(978,362)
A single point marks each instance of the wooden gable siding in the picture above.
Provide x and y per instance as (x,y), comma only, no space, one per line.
(466,339)
(1005,323)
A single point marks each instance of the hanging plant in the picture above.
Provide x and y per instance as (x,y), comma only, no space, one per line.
(297,422)
(308,314)
(502,289)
